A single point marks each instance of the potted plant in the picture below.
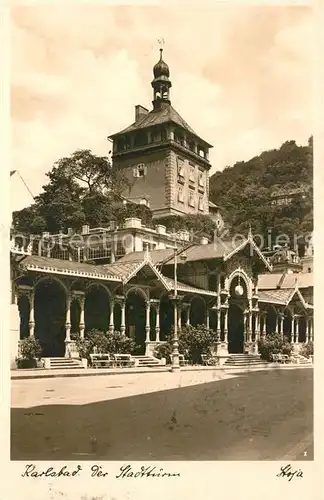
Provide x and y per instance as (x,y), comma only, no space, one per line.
(30,352)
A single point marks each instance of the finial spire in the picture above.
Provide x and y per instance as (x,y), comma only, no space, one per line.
(250,231)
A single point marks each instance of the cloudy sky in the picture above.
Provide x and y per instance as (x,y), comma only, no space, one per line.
(241,78)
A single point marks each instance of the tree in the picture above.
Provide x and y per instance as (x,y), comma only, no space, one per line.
(82,189)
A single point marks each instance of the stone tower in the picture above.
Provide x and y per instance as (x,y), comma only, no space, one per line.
(164,161)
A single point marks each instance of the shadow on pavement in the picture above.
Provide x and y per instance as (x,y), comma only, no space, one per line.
(255,416)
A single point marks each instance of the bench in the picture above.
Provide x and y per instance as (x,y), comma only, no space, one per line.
(209,360)
(182,360)
(101,360)
(280,358)
(122,360)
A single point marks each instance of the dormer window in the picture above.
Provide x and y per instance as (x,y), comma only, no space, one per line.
(140,170)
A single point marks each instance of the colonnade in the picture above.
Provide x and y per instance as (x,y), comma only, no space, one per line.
(254,318)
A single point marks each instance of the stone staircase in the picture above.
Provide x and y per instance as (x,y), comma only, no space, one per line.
(147,361)
(243,361)
(62,363)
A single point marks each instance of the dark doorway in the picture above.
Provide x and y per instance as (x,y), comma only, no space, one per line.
(271,321)
(287,326)
(166,317)
(197,312)
(24,312)
(302,329)
(50,317)
(75,316)
(97,309)
(235,329)
(136,320)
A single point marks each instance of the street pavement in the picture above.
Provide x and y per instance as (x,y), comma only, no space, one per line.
(203,415)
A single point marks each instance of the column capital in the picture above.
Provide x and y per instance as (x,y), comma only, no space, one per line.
(155,303)
(118,299)
(176,299)
(26,290)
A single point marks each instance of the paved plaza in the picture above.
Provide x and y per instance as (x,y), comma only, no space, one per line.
(203,415)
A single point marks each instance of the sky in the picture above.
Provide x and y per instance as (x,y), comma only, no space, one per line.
(241,78)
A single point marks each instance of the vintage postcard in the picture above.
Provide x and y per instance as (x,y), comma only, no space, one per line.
(160,334)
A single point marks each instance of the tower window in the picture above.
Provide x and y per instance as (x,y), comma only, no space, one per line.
(201,203)
(140,139)
(191,145)
(201,178)
(140,170)
(180,164)
(191,198)
(180,194)
(192,173)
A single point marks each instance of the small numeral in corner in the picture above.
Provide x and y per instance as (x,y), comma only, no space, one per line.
(305,453)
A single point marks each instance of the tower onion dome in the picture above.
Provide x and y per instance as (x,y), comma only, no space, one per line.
(161,69)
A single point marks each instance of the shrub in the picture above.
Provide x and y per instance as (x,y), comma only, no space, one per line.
(193,342)
(307,350)
(30,348)
(163,351)
(110,342)
(273,343)
(117,343)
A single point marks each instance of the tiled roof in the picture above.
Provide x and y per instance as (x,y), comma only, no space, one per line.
(58,266)
(215,250)
(275,296)
(122,269)
(304,280)
(182,287)
(156,256)
(164,115)
(290,280)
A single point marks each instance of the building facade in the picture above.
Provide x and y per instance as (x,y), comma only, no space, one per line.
(160,156)
(227,286)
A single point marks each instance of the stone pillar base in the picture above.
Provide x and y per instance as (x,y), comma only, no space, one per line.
(222,354)
(68,348)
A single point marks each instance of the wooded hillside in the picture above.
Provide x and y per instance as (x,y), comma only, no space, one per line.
(247,191)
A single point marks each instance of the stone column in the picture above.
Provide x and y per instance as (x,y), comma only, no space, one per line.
(157,323)
(250,326)
(218,323)
(264,324)
(277,323)
(226,324)
(179,316)
(122,316)
(281,318)
(246,326)
(207,318)
(292,339)
(68,324)
(111,316)
(307,329)
(31,313)
(297,329)
(311,329)
(187,314)
(82,325)
(257,326)
(147,326)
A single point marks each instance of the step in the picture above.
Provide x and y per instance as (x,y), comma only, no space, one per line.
(63,363)
(147,361)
